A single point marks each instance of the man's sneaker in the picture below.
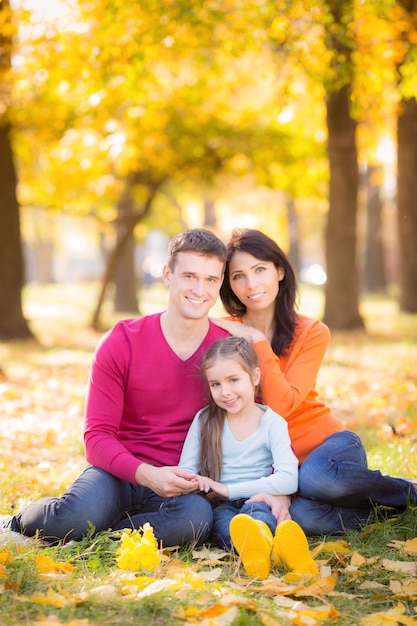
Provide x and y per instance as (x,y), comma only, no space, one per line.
(11,537)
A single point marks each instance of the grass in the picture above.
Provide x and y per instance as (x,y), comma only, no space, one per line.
(369,380)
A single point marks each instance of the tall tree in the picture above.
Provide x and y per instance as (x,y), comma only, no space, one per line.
(407,158)
(374,275)
(13,325)
(342,298)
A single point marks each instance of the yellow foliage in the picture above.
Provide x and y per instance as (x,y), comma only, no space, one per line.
(138,550)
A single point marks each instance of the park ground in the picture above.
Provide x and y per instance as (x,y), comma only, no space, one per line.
(368,578)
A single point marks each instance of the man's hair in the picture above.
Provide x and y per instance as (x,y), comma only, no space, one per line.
(197,240)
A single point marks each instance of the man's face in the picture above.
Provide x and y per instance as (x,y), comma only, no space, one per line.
(193,284)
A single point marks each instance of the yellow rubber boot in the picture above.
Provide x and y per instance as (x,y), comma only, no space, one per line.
(290,547)
(252,540)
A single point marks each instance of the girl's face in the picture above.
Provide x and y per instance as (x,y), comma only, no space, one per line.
(232,388)
(254,282)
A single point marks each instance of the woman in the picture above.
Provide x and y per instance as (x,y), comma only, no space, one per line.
(336,490)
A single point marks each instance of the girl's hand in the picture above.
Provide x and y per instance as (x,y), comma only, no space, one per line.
(239,330)
(207,484)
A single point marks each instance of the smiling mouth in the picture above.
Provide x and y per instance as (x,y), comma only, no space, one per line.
(232,401)
(256,296)
(195,301)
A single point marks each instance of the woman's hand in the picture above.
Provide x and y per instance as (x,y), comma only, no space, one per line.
(239,330)
(280,505)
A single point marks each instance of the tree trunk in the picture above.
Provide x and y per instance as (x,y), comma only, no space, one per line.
(294,235)
(124,275)
(341,291)
(122,241)
(341,308)
(407,204)
(374,275)
(210,218)
(12,323)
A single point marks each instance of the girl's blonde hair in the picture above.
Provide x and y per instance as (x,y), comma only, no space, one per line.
(212,418)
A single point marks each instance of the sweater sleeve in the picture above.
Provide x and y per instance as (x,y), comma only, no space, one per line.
(104,408)
(285,390)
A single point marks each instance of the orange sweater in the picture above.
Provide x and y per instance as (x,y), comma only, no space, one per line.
(288,385)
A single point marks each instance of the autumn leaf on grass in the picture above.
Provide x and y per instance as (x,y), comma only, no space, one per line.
(52,598)
(357,560)
(313,616)
(321,587)
(133,585)
(405,589)
(48,568)
(6,557)
(204,556)
(409,546)
(371,584)
(407,567)
(53,620)
(219,613)
(392,617)
(340,547)
(212,615)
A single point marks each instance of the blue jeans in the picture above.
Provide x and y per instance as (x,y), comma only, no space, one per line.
(101,499)
(337,491)
(223,513)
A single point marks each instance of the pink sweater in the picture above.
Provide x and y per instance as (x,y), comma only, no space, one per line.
(141,397)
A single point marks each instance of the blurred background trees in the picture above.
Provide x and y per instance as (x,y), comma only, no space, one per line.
(135,118)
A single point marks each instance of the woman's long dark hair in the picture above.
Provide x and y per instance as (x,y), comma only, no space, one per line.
(264,248)
(212,418)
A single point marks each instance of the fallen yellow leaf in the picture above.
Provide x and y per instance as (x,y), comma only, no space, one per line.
(406,588)
(314,616)
(392,617)
(6,557)
(51,598)
(46,565)
(399,566)
(409,546)
(340,546)
(318,588)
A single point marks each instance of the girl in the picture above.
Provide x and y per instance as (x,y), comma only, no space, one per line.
(336,489)
(238,448)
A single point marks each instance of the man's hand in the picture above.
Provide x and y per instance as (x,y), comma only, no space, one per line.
(166,481)
(280,505)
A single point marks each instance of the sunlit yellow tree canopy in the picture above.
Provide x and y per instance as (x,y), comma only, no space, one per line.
(130,112)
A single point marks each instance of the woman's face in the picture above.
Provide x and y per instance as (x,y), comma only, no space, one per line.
(254,282)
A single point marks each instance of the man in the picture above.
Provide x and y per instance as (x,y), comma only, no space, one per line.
(144,390)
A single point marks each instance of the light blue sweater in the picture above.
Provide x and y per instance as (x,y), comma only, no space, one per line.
(263,462)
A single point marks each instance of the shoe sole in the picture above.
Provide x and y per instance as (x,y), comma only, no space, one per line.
(291,547)
(252,545)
